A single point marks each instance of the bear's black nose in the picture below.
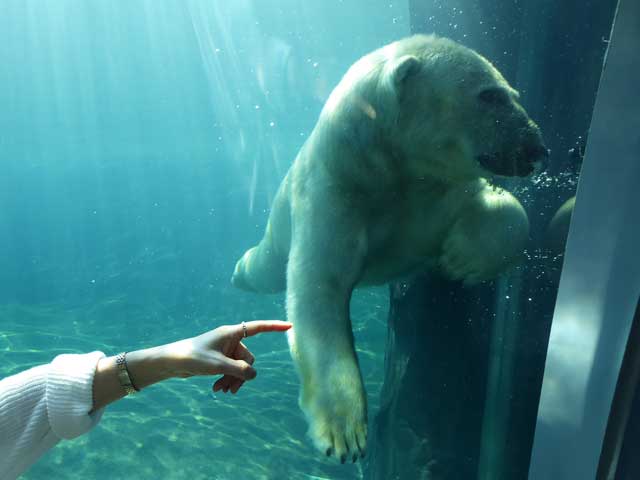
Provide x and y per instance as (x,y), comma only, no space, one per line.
(537,153)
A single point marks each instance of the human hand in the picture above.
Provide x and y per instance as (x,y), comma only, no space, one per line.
(219,351)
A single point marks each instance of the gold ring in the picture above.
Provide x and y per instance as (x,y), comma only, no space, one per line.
(244,329)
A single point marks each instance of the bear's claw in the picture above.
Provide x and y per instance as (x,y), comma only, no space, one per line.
(342,443)
(337,415)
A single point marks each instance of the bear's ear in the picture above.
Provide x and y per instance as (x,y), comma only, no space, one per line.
(399,69)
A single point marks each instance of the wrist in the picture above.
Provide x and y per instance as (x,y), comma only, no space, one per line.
(148,366)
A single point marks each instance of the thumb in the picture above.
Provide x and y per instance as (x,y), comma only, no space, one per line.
(238,368)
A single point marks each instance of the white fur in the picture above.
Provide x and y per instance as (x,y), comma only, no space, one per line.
(386,184)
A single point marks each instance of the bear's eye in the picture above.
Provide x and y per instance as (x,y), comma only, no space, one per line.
(494,96)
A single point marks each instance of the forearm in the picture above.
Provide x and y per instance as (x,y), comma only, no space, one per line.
(217,352)
(146,367)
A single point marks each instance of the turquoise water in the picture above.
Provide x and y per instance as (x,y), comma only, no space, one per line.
(141,144)
(179,429)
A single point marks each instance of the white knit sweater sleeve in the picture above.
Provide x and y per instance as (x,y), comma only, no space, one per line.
(41,406)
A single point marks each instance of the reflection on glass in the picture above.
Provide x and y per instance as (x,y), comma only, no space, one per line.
(143,146)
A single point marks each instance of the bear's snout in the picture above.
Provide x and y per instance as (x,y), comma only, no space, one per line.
(537,154)
(532,154)
(532,157)
(522,162)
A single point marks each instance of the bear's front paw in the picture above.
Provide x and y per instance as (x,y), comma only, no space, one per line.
(487,239)
(336,408)
(471,265)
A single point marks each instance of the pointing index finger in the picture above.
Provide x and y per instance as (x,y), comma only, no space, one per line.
(261,326)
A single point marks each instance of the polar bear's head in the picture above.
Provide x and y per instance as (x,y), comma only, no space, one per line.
(443,110)
(457,114)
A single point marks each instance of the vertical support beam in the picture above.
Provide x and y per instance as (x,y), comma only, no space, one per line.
(600,280)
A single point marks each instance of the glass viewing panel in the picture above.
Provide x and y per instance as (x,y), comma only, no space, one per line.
(145,147)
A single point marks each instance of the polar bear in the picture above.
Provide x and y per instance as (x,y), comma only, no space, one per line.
(390,181)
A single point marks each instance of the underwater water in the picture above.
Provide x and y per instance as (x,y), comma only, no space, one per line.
(141,144)
(179,428)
